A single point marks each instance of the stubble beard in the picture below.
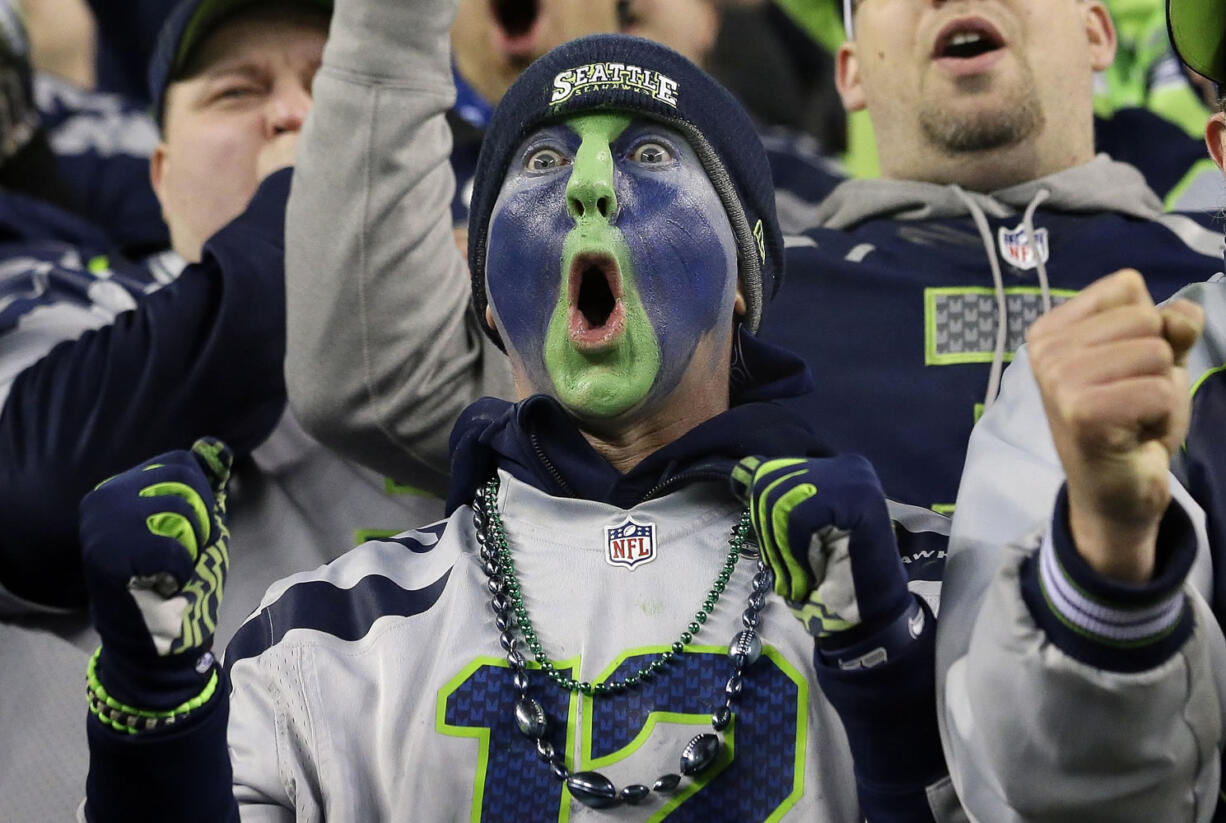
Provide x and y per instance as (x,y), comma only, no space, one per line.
(1014,119)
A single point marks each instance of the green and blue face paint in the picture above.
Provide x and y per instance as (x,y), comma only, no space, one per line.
(610,258)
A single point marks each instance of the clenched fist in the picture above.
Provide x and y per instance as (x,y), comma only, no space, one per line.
(1109,364)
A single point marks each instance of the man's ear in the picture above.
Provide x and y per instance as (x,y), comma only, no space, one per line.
(157,168)
(1100,31)
(847,76)
(738,305)
(489,317)
(1215,139)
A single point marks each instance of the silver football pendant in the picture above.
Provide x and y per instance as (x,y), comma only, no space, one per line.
(592,789)
(530,717)
(746,643)
(699,753)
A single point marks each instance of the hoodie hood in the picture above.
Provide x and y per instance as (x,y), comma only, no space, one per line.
(537,441)
(1099,185)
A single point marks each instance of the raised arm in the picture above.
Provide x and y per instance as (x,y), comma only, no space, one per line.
(383,352)
(1078,671)
(79,403)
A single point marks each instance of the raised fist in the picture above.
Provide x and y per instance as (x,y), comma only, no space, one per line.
(154,544)
(1109,365)
(825,531)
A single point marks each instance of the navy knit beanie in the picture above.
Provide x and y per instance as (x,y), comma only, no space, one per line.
(622,73)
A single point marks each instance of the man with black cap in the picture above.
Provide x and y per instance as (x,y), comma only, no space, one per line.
(624,244)
(1109,603)
(99,368)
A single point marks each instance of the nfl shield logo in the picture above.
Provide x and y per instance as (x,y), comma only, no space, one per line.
(630,544)
(1017,252)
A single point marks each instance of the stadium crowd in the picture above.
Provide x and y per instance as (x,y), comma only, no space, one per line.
(722,410)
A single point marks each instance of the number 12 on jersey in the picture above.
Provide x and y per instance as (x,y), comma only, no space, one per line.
(759,776)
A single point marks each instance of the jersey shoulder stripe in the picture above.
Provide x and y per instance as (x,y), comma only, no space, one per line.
(394,577)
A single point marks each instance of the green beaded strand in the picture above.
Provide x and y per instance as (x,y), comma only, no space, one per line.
(514,593)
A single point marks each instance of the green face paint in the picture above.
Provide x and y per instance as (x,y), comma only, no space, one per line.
(613,380)
(615,377)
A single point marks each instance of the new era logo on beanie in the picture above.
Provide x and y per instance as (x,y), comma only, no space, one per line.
(615,72)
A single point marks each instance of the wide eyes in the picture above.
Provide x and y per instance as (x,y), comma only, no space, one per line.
(545,159)
(647,153)
(651,154)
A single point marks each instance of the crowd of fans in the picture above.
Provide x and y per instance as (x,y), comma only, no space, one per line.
(929,288)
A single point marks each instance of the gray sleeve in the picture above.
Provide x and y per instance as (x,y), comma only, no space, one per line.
(1030,732)
(1208,355)
(383,351)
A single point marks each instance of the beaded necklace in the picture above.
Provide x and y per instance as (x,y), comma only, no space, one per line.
(593,788)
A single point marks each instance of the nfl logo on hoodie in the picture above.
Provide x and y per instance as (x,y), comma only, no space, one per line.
(630,544)
(1019,253)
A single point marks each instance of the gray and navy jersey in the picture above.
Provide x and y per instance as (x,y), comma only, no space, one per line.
(376,688)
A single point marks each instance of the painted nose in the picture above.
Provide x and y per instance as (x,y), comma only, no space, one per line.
(589,193)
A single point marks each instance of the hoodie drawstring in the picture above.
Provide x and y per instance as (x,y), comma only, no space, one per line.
(1002,313)
(1028,225)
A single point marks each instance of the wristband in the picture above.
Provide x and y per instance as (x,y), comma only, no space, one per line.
(881,645)
(131,720)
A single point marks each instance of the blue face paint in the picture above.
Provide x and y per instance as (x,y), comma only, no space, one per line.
(528,226)
(660,218)
(680,240)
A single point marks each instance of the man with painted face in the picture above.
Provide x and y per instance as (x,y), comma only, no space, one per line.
(624,244)
(388,395)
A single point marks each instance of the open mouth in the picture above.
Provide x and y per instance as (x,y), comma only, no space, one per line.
(967,39)
(516,26)
(597,317)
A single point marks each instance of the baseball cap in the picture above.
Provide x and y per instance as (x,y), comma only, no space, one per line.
(617,72)
(187,26)
(1197,28)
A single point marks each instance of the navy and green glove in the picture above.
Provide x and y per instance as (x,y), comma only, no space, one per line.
(154,547)
(824,530)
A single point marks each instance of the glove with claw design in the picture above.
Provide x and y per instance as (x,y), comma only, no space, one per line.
(154,544)
(824,530)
